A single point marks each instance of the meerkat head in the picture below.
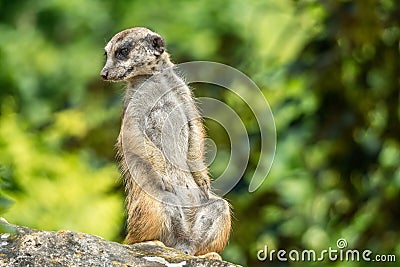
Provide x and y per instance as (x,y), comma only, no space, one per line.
(133,52)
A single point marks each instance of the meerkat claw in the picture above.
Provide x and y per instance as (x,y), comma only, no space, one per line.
(211,256)
(154,243)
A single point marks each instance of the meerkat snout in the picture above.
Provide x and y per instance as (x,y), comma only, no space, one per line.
(104,73)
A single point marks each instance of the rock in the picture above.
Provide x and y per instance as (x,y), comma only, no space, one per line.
(34,248)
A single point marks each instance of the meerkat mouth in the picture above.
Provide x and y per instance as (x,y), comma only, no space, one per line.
(126,73)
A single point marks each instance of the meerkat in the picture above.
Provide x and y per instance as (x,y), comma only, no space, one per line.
(161,153)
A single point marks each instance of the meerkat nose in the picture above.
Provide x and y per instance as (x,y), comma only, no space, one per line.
(104,73)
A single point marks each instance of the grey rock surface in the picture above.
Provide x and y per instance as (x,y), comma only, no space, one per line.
(34,248)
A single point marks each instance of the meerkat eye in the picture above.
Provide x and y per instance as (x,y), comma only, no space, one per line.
(122,53)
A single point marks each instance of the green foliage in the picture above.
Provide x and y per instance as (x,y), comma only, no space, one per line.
(6,228)
(5,202)
(329,69)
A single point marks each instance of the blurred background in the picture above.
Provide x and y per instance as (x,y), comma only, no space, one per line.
(330,71)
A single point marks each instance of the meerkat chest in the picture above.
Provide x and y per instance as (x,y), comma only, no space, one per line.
(166,124)
(163,117)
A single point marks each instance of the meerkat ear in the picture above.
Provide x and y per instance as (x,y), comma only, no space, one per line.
(158,44)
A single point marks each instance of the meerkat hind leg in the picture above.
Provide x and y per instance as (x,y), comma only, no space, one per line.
(175,232)
(212,227)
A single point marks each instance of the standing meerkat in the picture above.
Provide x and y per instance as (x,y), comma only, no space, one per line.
(161,150)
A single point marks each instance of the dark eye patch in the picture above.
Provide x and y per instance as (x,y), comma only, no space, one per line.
(122,52)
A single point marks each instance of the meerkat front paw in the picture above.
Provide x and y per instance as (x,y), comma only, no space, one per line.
(205,191)
(167,186)
(204,184)
(211,256)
